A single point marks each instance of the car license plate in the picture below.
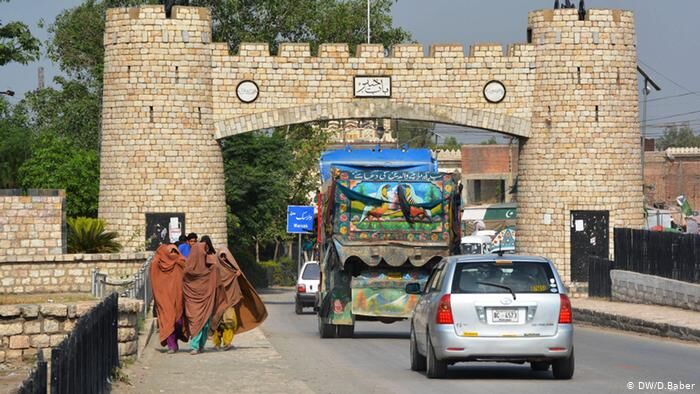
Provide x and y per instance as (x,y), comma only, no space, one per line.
(504,315)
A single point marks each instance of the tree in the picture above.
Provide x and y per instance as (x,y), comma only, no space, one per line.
(678,136)
(257,187)
(17,44)
(313,21)
(56,163)
(490,141)
(415,134)
(15,147)
(450,143)
(72,111)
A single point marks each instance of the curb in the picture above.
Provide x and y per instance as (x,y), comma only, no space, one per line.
(625,323)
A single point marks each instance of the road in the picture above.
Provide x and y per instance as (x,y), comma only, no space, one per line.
(376,360)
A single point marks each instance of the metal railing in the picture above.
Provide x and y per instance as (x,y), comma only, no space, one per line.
(138,286)
(85,360)
(36,382)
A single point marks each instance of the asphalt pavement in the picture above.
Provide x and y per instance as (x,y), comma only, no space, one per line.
(287,356)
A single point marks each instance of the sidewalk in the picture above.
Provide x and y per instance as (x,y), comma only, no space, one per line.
(648,319)
(254,366)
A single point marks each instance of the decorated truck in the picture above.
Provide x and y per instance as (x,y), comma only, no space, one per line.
(386,217)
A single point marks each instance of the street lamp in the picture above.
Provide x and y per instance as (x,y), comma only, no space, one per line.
(8,92)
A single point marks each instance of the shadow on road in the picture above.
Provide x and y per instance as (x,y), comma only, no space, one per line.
(501,372)
(279,302)
(381,335)
(275,290)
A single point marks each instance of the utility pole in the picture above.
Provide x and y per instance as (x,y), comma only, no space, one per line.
(368,27)
(648,84)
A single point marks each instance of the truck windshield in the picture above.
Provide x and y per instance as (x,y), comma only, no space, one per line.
(521,277)
(311,272)
(471,249)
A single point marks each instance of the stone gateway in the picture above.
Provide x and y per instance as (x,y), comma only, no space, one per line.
(569,95)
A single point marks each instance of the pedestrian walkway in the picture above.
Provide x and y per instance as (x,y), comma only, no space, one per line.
(254,366)
(649,319)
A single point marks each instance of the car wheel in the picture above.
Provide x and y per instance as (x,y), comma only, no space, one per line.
(298,308)
(563,368)
(345,331)
(417,360)
(435,369)
(325,330)
(539,366)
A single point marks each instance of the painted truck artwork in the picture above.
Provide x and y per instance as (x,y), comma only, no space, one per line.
(393,205)
(378,293)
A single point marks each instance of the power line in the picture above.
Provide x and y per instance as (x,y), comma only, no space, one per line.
(667,78)
(674,96)
(673,116)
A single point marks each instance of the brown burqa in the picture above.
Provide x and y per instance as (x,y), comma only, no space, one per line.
(199,287)
(166,281)
(235,291)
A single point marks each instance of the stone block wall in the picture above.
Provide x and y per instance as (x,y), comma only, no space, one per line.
(571,98)
(649,289)
(26,328)
(64,273)
(33,223)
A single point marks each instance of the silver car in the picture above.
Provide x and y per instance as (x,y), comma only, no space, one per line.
(492,308)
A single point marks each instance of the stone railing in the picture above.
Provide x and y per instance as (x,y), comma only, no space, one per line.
(28,327)
(64,273)
(630,286)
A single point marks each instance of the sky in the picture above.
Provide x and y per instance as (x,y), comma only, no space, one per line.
(668,41)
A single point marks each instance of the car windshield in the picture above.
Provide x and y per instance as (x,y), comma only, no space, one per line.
(520,276)
(311,272)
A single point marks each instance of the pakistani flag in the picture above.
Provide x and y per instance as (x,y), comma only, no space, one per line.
(685,206)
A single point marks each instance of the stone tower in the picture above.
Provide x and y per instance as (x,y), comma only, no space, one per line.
(569,94)
(158,154)
(584,153)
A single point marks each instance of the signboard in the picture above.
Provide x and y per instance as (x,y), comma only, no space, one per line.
(300,219)
(163,228)
(247,91)
(494,92)
(372,86)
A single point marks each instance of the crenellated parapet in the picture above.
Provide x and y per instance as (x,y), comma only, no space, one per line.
(569,94)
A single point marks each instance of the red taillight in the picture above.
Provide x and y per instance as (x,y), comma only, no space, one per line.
(444,312)
(301,288)
(564,309)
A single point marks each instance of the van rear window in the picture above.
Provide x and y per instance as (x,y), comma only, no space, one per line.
(311,272)
(520,276)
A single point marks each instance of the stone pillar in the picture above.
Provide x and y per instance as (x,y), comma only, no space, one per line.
(584,151)
(158,154)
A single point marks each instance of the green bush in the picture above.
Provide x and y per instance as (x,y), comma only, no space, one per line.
(282,272)
(255,273)
(88,235)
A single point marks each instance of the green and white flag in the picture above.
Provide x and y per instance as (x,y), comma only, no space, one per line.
(685,205)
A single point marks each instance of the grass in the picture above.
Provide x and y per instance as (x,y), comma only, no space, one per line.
(40,298)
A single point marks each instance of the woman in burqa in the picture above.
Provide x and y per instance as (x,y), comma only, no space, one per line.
(199,287)
(238,306)
(166,281)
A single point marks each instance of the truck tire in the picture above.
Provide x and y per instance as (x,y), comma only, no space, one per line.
(435,369)
(325,330)
(345,331)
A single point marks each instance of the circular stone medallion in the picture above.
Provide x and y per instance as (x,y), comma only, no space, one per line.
(247,91)
(494,92)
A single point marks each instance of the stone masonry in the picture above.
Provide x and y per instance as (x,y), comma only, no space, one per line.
(639,288)
(64,273)
(28,327)
(571,98)
(32,224)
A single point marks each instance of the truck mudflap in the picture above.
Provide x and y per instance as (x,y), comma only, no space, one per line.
(336,303)
(382,293)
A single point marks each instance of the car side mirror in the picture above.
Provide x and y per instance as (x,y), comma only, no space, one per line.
(413,288)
